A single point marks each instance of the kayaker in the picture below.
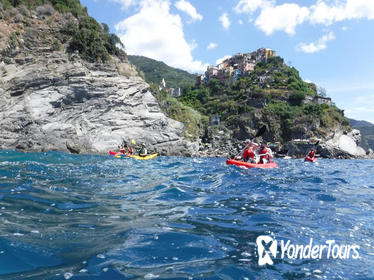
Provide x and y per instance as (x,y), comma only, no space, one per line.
(143,151)
(122,149)
(248,152)
(129,150)
(265,154)
(311,154)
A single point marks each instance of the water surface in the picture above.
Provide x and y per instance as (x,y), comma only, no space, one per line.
(96,217)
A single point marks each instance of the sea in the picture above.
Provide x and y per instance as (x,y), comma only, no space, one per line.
(66,216)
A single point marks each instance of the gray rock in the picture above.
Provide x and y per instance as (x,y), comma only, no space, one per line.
(343,145)
(51,103)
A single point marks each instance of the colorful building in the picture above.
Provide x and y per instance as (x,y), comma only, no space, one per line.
(244,63)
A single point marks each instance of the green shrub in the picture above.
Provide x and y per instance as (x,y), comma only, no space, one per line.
(314,110)
(89,37)
(92,42)
(194,122)
(332,117)
(297,98)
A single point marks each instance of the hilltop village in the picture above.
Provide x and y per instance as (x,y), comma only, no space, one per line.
(229,70)
(242,64)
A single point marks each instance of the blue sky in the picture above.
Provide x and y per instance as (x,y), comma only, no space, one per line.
(330,42)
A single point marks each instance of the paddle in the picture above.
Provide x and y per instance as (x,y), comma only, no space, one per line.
(259,133)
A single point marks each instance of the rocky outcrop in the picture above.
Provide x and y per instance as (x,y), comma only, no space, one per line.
(218,141)
(53,103)
(52,100)
(343,145)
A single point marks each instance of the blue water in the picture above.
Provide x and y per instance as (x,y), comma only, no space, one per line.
(96,217)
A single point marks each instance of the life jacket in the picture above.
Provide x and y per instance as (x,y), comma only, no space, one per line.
(311,154)
(263,154)
(122,150)
(142,152)
(248,153)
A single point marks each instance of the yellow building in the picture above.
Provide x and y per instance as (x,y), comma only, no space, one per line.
(269,53)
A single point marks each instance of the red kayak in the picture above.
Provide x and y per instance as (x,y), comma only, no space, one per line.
(251,165)
(310,159)
(113,153)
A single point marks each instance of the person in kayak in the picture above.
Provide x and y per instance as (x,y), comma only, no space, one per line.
(265,154)
(311,154)
(129,150)
(122,149)
(248,153)
(143,151)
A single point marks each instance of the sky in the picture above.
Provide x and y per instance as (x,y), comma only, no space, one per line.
(330,42)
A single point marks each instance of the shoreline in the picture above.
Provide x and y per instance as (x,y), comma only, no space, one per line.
(171,155)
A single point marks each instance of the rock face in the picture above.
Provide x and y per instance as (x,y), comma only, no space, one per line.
(343,146)
(50,100)
(53,103)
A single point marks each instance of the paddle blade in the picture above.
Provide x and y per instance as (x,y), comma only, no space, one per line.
(133,142)
(316,144)
(261,131)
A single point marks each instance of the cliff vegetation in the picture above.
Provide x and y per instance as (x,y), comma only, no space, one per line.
(84,34)
(154,71)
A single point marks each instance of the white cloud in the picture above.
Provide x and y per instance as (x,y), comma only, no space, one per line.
(190,10)
(360,9)
(220,60)
(250,6)
(225,21)
(240,22)
(281,18)
(287,16)
(211,46)
(323,13)
(156,33)
(317,46)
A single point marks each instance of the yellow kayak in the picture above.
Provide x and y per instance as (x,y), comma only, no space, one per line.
(143,158)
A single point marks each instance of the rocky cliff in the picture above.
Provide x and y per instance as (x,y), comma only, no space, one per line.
(51,99)
(343,145)
(64,85)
